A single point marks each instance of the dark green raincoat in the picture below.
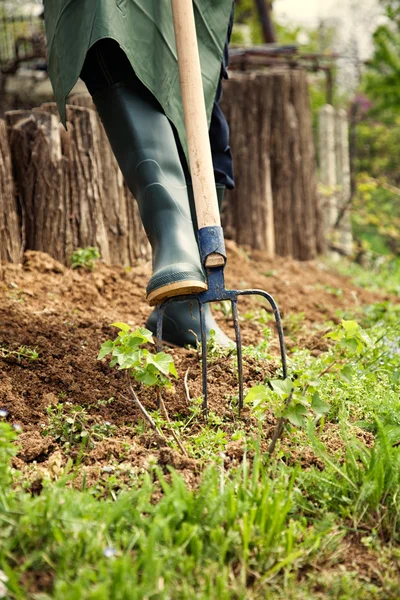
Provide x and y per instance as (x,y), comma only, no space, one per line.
(144,30)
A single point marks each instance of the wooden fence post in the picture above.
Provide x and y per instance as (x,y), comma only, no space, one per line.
(73,195)
(334,162)
(327,165)
(343,223)
(11,238)
(70,187)
(275,206)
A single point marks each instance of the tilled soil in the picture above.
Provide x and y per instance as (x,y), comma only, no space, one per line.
(65,315)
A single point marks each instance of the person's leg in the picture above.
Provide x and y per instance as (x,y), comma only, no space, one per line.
(182,319)
(143,142)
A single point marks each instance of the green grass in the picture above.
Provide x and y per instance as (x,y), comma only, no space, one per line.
(383,273)
(318,519)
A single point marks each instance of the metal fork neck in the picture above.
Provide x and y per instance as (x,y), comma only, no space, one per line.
(211,241)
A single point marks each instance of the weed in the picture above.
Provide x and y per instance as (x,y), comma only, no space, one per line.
(338,292)
(21,352)
(7,451)
(354,353)
(107,402)
(128,354)
(84,258)
(69,425)
(293,323)
(259,316)
(225,307)
(364,484)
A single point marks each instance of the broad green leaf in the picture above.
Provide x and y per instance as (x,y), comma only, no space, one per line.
(144,335)
(161,361)
(351,327)
(353,345)
(122,326)
(295,413)
(118,353)
(105,349)
(173,370)
(283,387)
(334,335)
(258,393)
(318,405)
(346,373)
(146,378)
(129,360)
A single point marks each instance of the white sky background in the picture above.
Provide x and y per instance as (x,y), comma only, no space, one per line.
(355,22)
(351,15)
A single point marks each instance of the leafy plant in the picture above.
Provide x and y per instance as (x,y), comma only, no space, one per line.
(364,482)
(21,352)
(7,451)
(69,425)
(127,353)
(84,258)
(299,399)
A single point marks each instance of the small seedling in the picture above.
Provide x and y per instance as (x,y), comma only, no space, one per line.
(293,323)
(127,353)
(84,258)
(105,402)
(216,352)
(225,307)
(69,425)
(21,352)
(154,370)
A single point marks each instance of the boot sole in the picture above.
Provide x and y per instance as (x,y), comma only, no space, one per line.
(180,288)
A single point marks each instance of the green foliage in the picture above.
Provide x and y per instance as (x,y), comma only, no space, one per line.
(247,26)
(21,352)
(363,484)
(354,353)
(377,145)
(69,425)
(376,215)
(381,81)
(84,258)
(7,451)
(383,273)
(204,543)
(128,354)
(272,527)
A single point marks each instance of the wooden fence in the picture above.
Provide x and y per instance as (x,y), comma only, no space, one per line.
(334,162)
(18,36)
(70,192)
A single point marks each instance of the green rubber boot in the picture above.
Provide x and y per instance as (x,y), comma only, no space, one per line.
(143,142)
(181,324)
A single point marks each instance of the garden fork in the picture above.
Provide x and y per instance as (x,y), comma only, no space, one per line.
(210,233)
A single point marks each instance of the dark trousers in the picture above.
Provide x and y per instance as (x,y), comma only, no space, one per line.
(106,64)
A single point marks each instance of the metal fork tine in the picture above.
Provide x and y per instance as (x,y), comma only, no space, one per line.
(239,351)
(281,336)
(278,322)
(204,357)
(281,342)
(160,316)
(218,294)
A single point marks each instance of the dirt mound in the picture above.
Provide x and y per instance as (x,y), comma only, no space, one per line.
(65,315)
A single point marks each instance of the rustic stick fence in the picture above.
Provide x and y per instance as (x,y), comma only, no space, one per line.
(66,190)
(18,34)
